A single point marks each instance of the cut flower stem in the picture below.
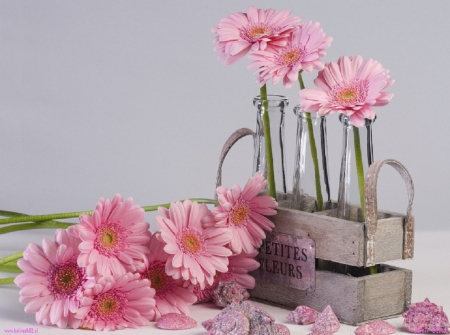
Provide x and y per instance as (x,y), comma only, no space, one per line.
(268,143)
(312,143)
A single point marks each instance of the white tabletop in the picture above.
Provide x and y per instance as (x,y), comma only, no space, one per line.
(431,274)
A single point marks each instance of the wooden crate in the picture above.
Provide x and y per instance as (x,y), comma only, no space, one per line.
(354,300)
(385,236)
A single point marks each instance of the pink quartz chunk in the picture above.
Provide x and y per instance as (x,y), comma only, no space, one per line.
(377,327)
(321,332)
(303,315)
(175,321)
(227,292)
(281,329)
(426,317)
(326,321)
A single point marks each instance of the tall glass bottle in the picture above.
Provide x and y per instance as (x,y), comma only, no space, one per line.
(274,106)
(357,156)
(310,190)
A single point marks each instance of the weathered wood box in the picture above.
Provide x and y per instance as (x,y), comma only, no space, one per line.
(344,251)
(385,236)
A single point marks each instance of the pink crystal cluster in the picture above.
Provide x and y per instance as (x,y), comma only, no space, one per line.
(228,292)
(426,317)
(243,318)
(175,321)
(377,327)
(303,315)
(326,321)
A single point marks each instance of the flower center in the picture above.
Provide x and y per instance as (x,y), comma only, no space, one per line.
(349,94)
(110,239)
(191,242)
(290,57)
(65,280)
(254,32)
(239,213)
(108,306)
(159,280)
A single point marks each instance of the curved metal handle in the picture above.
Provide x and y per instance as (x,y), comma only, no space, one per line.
(236,136)
(371,205)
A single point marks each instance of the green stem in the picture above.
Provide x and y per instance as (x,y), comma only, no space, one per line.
(49,217)
(359,170)
(5,281)
(268,143)
(10,268)
(34,225)
(11,258)
(312,144)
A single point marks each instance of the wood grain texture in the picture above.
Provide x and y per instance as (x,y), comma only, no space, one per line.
(354,300)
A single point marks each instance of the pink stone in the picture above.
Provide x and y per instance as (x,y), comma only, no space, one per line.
(321,332)
(377,327)
(227,292)
(426,317)
(175,321)
(303,315)
(327,321)
(241,318)
(281,329)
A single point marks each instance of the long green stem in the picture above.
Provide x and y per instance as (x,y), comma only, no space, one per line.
(34,225)
(48,217)
(359,170)
(312,144)
(11,258)
(10,268)
(268,143)
(5,281)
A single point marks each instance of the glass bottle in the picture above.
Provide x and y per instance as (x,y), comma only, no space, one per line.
(357,156)
(274,106)
(310,190)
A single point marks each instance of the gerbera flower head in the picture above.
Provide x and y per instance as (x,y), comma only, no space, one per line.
(243,212)
(113,237)
(116,303)
(238,268)
(258,29)
(303,51)
(196,253)
(51,282)
(352,86)
(170,295)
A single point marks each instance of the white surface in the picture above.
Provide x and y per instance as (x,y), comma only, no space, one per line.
(430,279)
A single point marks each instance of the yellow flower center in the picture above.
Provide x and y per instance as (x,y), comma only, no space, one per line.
(239,214)
(347,95)
(109,237)
(191,243)
(290,57)
(258,31)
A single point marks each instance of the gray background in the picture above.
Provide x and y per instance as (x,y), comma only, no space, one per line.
(105,97)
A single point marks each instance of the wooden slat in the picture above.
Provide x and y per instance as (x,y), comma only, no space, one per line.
(336,239)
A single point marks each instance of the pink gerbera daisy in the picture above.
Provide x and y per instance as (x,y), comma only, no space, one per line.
(170,295)
(196,253)
(303,52)
(116,303)
(242,212)
(258,29)
(114,237)
(51,281)
(351,87)
(238,269)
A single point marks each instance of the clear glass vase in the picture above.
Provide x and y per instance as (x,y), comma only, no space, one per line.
(274,106)
(357,156)
(310,189)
